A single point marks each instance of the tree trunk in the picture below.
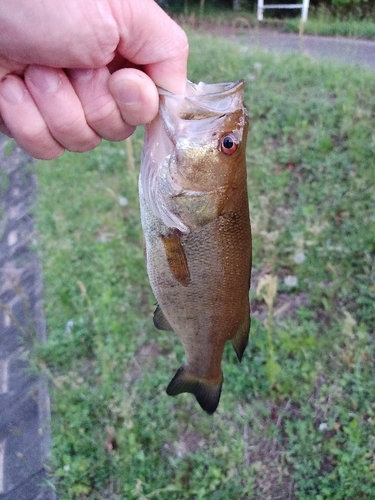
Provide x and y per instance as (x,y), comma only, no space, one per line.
(201,7)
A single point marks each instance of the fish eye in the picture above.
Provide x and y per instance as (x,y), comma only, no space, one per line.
(228,144)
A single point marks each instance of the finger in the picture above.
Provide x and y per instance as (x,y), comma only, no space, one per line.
(4,129)
(24,121)
(157,43)
(69,34)
(135,94)
(60,108)
(7,67)
(99,106)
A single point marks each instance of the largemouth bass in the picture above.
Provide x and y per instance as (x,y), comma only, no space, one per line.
(195,219)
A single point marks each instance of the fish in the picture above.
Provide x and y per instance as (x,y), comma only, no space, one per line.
(196,225)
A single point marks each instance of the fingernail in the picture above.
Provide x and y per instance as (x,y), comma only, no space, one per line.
(45,79)
(12,90)
(81,75)
(126,92)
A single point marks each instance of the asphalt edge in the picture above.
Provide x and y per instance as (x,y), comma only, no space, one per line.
(35,484)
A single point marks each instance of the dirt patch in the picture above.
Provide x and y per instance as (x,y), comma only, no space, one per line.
(188,442)
(286,304)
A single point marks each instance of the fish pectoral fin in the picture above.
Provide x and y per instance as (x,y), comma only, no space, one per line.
(241,338)
(176,258)
(160,321)
(206,393)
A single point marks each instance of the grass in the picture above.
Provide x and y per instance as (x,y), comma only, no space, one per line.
(328,26)
(321,21)
(297,418)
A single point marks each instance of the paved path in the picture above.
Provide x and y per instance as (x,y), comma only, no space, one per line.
(24,403)
(342,50)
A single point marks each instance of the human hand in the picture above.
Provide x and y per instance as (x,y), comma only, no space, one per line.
(77,71)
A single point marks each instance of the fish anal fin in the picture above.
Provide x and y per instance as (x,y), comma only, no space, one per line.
(160,321)
(207,393)
(176,258)
(241,338)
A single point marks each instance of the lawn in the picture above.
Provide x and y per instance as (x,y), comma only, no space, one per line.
(321,21)
(329,26)
(296,418)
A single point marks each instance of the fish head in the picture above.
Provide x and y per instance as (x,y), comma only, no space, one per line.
(194,154)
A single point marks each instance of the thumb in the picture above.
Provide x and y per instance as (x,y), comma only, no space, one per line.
(151,39)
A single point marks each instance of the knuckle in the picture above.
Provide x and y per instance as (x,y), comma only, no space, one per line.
(36,133)
(140,116)
(105,118)
(101,109)
(49,152)
(37,141)
(83,145)
(75,134)
(66,126)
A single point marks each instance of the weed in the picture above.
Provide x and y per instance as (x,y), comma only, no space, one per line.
(267,289)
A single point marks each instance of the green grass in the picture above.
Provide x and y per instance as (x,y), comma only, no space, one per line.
(297,417)
(321,21)
(328,26)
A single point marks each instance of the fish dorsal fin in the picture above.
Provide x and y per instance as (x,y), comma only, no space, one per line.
(206,393)
(241,338)
(160,321)
(176,258)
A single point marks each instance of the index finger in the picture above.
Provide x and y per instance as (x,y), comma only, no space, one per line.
(150,38)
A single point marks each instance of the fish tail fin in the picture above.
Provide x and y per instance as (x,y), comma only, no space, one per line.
(206,393)
(241,338)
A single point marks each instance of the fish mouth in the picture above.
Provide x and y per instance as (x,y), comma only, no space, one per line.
(207,89)
(203,100)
